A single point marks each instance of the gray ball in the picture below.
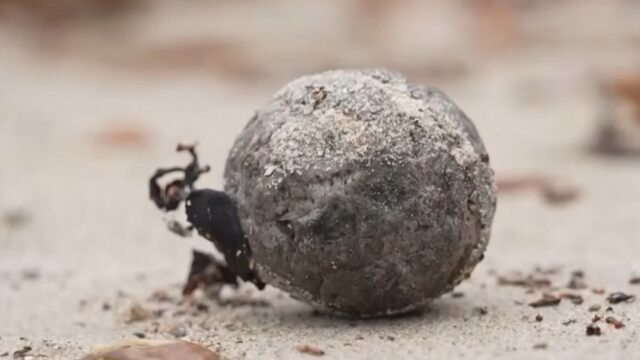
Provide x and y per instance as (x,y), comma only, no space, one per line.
(362,193)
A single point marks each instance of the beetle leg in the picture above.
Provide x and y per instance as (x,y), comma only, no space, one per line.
(173,194)
(206,270)
(159,195)
(193,170)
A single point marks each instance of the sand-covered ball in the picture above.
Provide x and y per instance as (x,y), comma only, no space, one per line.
(362,193)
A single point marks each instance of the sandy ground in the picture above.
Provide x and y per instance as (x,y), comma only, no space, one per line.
(91,236)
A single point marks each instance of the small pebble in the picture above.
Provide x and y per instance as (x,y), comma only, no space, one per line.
(135,312)
(619,296)
(594,307)
(615,322)
(177,331)
(593,330)
(480,310)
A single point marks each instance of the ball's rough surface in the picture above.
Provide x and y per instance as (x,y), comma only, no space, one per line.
(362,193)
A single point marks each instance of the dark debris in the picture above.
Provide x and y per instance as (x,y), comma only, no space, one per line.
(528,281)
(574,298)
(593,330)
(553,192)
(577,282)
(206,272)
(540,346)
(615,322)
(594,307)
(20,354)
(546,300)
(619,297)
(480,310)
(15,218)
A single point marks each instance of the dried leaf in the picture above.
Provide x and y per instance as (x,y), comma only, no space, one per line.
(615,322)
(311,350)
(497,23)
(124,135)
(149,350)
(553,191)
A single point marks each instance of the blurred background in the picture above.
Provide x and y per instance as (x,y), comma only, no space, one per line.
(94,95)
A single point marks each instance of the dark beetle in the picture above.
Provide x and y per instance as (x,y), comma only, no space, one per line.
(211,213)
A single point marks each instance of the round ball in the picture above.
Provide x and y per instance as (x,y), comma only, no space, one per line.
(362,193)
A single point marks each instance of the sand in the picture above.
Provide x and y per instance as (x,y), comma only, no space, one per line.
(92,237)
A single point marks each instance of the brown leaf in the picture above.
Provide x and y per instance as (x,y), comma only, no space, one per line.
(306,349)
(618,132)
(149,350)
(519,183)
(221,57)
(553,191)
(615,322)
(556,193)
(497,23)
(627,86)
(124,135)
